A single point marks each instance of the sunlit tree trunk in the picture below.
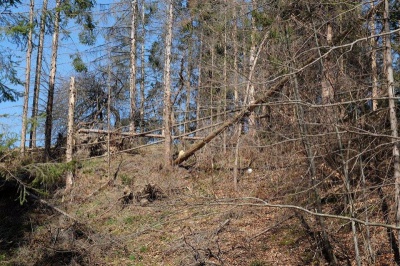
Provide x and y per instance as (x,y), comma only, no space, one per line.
(374,74)
(167,89)
(70,133)
(27,78)
(142,64)
(199,85)
(250,85)
(36,88)
(132,78)
(388,62)
(188,91)
(52,79)
(327,92)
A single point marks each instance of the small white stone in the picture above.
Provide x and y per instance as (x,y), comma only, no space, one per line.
(249,171)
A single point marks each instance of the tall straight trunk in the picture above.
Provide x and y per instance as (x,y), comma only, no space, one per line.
(388,62)
(188,90)
(211,81)
(36,88)
(70,133)
(252,58)
(326,246)
(109,115)
(322,235)
(347,187)
(365,190)
(142,64)
(167,90)
(132,77)
(52,79)
(199,84)
(327,92)
(27,78)
(235,61)
(225,75)
(374,69)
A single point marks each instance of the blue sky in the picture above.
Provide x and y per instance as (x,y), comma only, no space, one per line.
(11,112)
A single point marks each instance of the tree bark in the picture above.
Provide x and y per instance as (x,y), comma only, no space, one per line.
(132,78)
(167,90)
(36,88)
(142,72)
(52,79)
(27,78)
(326,246)
(374,69)
(388,62)
(245,111)
(70,133)
(250,93)
(199,84)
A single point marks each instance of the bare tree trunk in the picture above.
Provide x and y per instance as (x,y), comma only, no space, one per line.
(132,78)
(374,69)
(326,246)
(36,88)
(388,62)
(142,64)
(199,85)
(327,92)
(109,115)
(371,255)
(27,79)
(252,61)
(322,235)
(211,80)
(244,111)
(52,79)
(188,91)
(70,133)
(225,75)
(347,186)
(167,90)
(235,62)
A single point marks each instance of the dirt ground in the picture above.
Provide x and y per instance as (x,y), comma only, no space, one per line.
(136,213)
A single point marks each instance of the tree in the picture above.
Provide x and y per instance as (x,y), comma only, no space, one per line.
(78,10)
(36,88)
(27,78)
(52,78)
(167,87)
(388,63)
(132,78)
(8,73)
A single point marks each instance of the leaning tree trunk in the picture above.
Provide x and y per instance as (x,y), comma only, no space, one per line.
(36,88)
(243,112)
(27,78)
(52,79)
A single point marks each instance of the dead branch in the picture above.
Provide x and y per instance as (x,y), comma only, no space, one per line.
(319,214)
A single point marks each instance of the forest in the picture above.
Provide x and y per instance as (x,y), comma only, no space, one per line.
(200,132)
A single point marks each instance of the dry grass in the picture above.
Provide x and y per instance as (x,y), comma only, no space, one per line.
(201,221)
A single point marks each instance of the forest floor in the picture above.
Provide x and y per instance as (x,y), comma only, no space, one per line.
(178,217)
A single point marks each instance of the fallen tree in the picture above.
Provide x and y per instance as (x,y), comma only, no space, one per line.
(245,111)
